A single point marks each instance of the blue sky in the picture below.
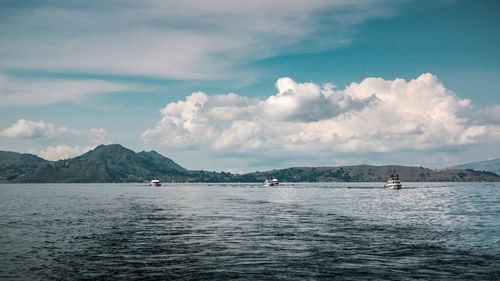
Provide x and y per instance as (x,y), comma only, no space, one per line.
(253,85)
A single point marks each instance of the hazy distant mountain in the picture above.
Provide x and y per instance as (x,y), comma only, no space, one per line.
(489,165)
(115,163)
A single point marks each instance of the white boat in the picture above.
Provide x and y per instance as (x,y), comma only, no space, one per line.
(393,183)
(155,182)
(271,182)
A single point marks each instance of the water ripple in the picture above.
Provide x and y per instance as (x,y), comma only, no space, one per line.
(239,231)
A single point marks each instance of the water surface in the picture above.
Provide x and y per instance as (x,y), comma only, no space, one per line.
(295,231)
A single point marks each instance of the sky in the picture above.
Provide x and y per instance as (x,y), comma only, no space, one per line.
(240,86)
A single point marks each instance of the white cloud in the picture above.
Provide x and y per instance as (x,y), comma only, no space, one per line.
(63,152)
(174,39)
(36,133)
(26,92)
(375,115)
(25,129)
(98,136)
(491,114)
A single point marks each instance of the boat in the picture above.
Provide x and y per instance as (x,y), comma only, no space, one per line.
(271,182)
(155,182)
(393,182)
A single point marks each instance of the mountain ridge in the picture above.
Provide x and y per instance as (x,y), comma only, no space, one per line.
(486,165)
(105,163)
(115,163)
(369,173)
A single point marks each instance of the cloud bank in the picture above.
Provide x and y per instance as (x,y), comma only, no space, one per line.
(166,39)
(190,39)
(375,115)
(41,130)
(36,134)
(59,152)
(28,92)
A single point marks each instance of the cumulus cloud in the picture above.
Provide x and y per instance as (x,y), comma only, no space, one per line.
(26,92)
(37,134)
(375,115)
(63,152)
(25,129)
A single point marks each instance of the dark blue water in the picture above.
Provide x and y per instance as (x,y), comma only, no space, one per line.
(444,231)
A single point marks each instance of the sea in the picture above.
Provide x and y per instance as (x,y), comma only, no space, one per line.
(295,231)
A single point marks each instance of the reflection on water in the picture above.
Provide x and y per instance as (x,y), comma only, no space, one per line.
(245,231)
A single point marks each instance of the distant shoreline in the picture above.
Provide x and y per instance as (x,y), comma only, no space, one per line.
(117,164)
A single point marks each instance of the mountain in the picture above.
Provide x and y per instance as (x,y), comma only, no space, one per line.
(12,164)
(160,160)
(489,165)
(115,163)
(106,163)
(12,158)
(367,173)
